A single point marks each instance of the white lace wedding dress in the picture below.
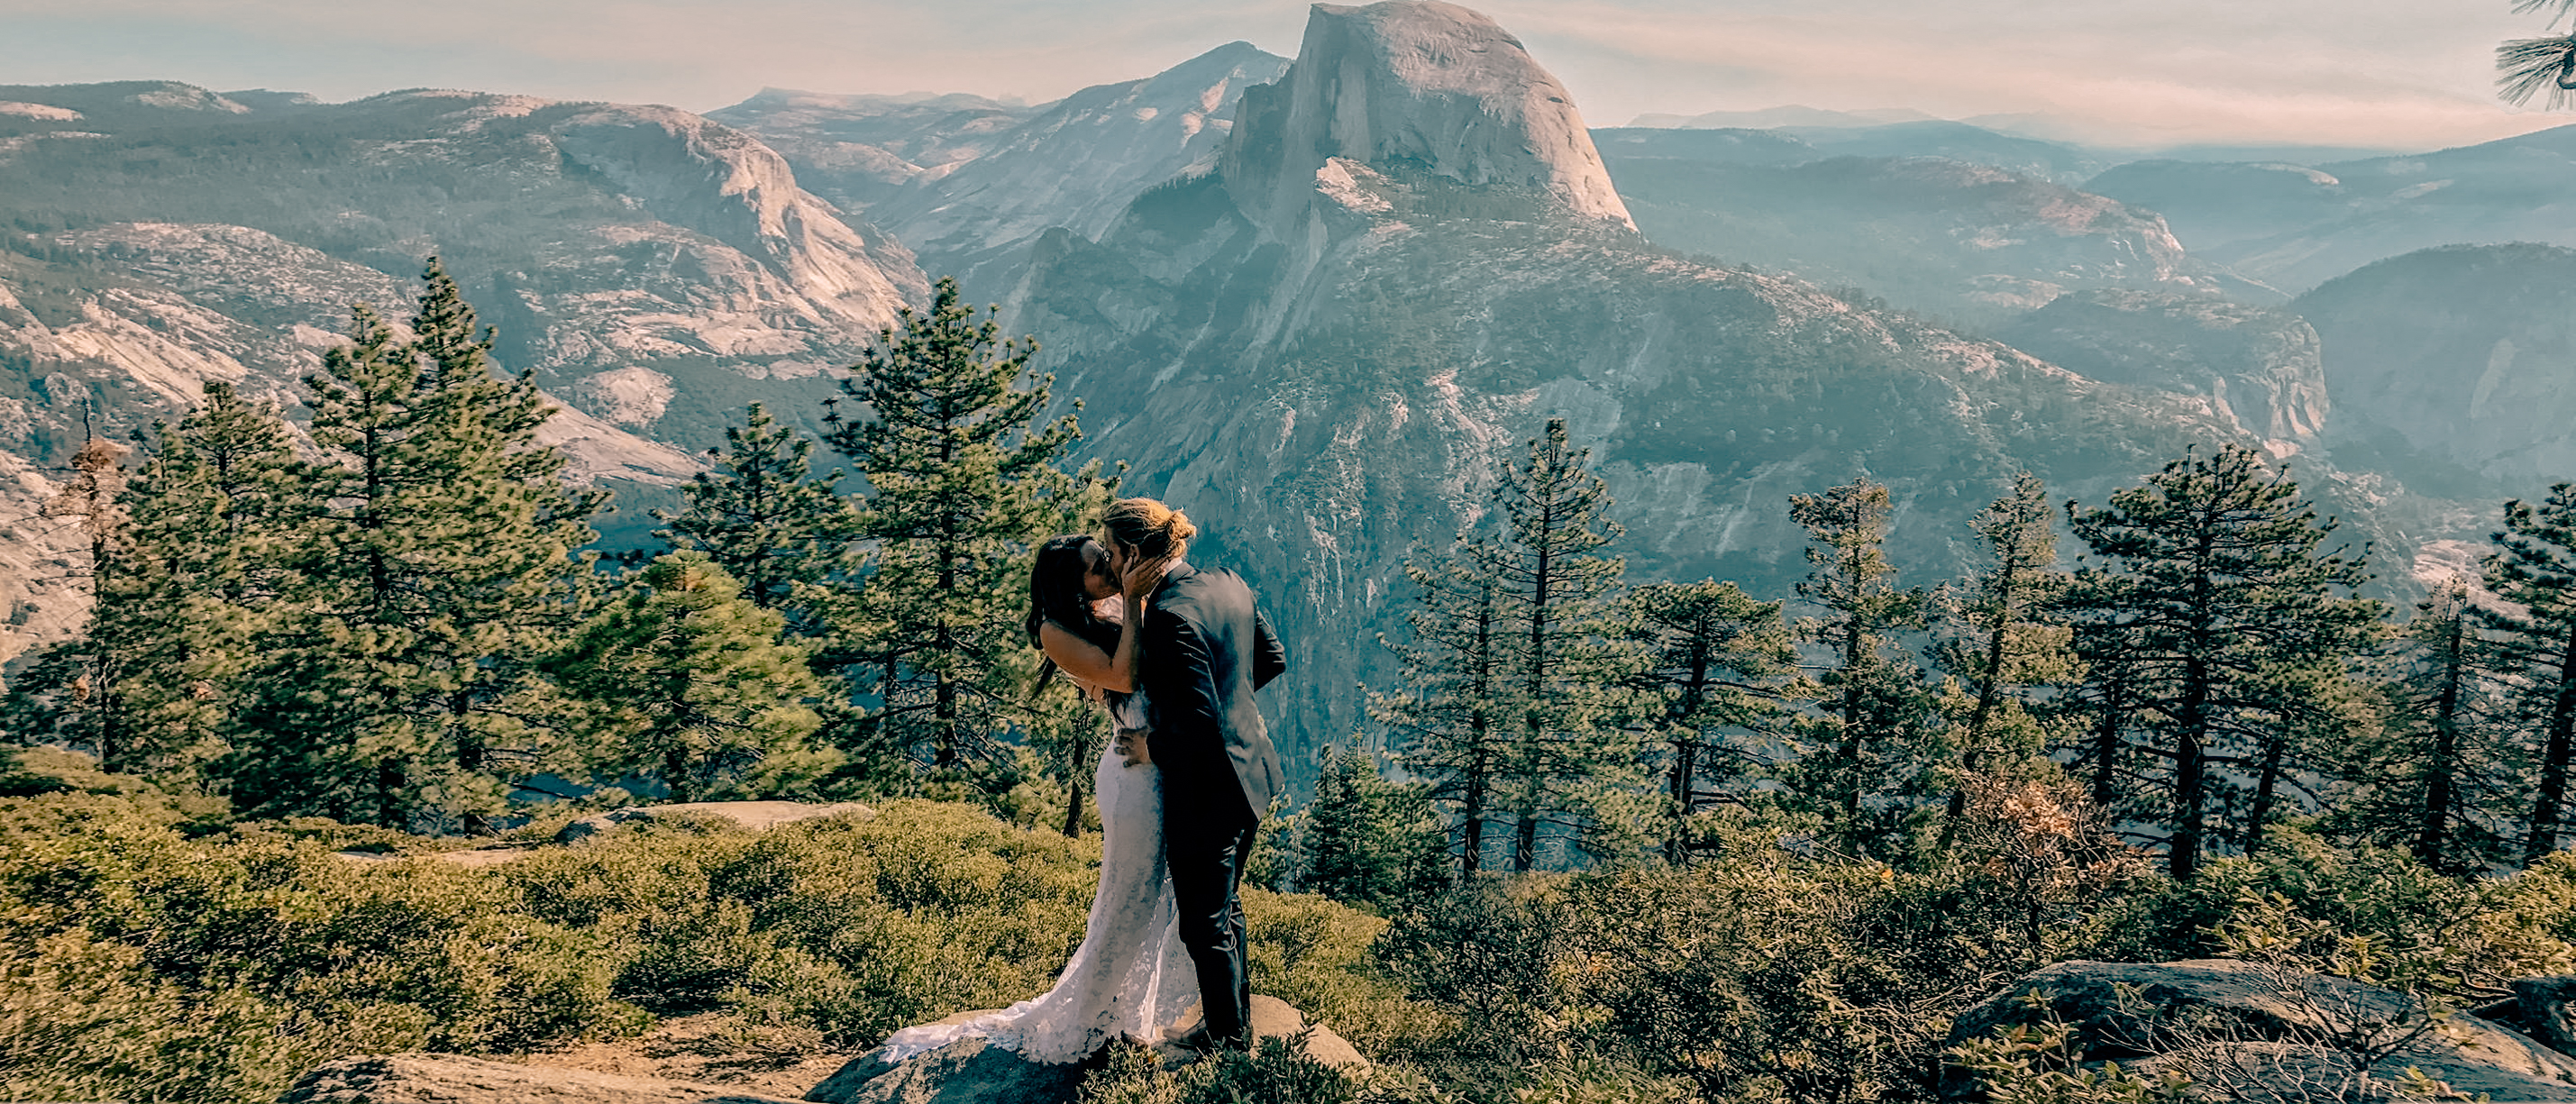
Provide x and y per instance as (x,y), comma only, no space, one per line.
(1131,976)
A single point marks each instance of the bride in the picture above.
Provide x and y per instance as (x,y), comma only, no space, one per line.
(1131,978)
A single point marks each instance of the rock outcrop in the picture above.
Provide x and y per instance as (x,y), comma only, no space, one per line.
(2465,352)
(973,1071)
(455,1079)
(1077,165)
(1419,82)
(755,816)
(2226,1021)
(970,1071)
(1943,237)
(2258,368)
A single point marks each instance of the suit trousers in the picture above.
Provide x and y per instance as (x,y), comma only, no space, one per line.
(1207,872)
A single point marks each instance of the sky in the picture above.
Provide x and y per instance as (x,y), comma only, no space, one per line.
(2390,74)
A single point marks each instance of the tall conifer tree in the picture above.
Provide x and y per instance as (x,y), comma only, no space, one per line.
(73,692)
(2003,640)
(1716,662)
(2534,568)
(684,678)
(1564,642)
(1450,721)
(438,576)
(764,516)
(1867,749)
(961,482)
(2436,777)
(2237,629)
(214,512)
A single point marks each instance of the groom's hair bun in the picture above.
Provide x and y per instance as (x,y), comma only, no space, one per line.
(1149,527)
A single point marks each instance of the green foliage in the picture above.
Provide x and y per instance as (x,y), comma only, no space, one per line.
(2439,773)
(685,679)
(2534,567)
(2234,634)
(1364,839)
(433,578)
(1867,754)
(962,484)
(1716,671)
(144,965)
(764,517)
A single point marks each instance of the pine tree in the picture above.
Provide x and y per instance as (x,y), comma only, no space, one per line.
(212,511)
(1449,722)
(962,481)
(1365,839)
(72,692)
(1717,662)
(2237,641)
(763,516)
(1867,742)
(438,575)
(2002,642)
(2434,776)
(1562,641)
(684,678)
(2533,567)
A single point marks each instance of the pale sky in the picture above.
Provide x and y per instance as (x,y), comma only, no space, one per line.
(2410,74)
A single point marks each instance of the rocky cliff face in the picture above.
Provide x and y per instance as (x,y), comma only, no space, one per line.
(655,269)
(598,236)
(1327,376)
(2466,352)
(1418,83)
(2258,369)
(2297,226)
(1077,165)
(859,150)
(1956,240)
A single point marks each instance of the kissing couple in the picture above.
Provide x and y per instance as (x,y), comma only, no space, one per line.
(1173,652)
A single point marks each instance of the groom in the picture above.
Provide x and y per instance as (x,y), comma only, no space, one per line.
(1205,650)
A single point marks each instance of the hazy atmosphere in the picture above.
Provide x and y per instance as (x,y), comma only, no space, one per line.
(1421,552)
(2394,74)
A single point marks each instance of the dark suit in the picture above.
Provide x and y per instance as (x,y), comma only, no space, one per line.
(1206,649)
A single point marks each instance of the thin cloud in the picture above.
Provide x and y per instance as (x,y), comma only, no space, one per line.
(2356,72)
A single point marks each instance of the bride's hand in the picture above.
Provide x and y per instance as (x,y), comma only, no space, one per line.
(1141,579)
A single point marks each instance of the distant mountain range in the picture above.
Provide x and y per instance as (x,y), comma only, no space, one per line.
(1313,302)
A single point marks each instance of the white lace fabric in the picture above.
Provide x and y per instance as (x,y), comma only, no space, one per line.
(1131,977)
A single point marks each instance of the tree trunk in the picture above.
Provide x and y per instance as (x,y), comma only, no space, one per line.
(2550,803)
(2182,851)
(2433,832)
(1073,790)
(2106,748)
(1989,687)
(1471,851)
(2267,785)
(1679,785)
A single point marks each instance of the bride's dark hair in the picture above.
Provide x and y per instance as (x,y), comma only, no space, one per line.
(1056,594)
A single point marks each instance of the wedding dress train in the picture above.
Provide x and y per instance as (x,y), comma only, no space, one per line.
(1131,977)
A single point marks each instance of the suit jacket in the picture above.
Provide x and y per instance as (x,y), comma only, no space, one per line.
(1206,649)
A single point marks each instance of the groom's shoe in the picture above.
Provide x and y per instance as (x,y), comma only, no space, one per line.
(1195,1042)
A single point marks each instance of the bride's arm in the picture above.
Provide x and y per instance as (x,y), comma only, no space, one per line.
(1083,661)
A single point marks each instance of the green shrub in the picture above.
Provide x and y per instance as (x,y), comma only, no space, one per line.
(149,966)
